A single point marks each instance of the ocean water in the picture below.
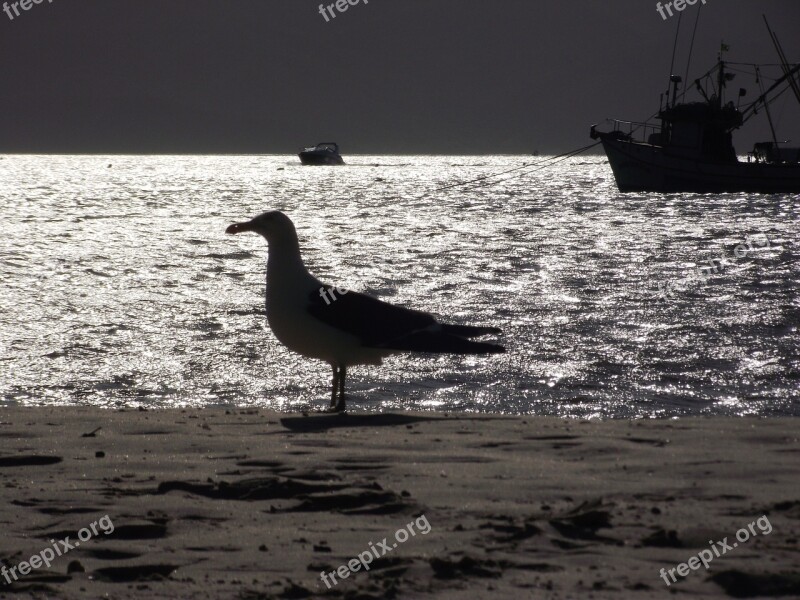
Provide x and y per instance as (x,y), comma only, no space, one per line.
(119,287)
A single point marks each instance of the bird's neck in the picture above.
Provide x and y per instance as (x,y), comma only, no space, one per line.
(285,264)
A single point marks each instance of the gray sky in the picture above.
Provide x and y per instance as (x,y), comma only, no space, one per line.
(406,76)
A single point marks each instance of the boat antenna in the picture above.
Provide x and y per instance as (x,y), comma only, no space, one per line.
(674,48)
(691,47)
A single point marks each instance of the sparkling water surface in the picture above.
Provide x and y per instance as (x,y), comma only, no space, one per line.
(121,289)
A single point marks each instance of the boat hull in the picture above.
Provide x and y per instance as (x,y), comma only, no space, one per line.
(320,158)
(640,167)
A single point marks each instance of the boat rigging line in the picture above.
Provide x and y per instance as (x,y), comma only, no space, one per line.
(751,110)
(547,162)
(481,181)
(782,57)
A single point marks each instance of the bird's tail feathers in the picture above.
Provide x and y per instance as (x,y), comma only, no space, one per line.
(469,331)
(428,341)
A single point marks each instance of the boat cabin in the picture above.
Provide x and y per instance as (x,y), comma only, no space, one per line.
(700,130)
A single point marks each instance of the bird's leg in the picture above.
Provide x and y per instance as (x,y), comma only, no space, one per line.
(342,375)
(335,384)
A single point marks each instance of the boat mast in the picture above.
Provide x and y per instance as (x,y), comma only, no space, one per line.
(720,81)
(672,62)
(691,47)
(766,108)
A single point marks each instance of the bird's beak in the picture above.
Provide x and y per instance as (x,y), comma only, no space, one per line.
(239,228)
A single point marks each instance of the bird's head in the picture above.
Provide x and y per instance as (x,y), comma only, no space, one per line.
(273,225)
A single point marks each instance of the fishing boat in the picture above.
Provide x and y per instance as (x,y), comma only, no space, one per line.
(689,148)
(324,153)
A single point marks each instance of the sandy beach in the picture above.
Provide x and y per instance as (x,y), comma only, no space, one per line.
(255,504)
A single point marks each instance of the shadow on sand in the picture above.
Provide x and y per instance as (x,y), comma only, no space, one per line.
(322,422)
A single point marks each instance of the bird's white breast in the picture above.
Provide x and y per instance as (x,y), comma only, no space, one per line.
(288,293)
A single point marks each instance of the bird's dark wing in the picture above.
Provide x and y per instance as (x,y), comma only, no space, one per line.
(469,331)
(375,322)
(439,341)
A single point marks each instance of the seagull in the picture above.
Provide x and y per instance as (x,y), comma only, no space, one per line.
(342,327)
